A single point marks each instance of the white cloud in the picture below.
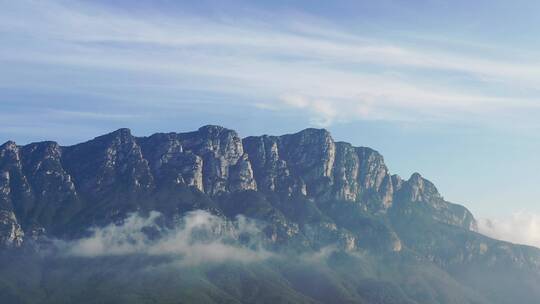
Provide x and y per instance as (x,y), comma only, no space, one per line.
(199,237)
(330,73)
(323,111)
(519,228)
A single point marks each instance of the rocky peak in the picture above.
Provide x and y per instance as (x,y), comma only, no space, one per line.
(122,133)
(118,138)
(111,161)
(422,190)
(419,195)
(171,165)
(311,136)
(299,163)
(213,130)
(160,148)
(416,178)
(310,156)
(8,145)
(11,167)
(220,149)
(214,139)
(46,149)
(315,138)
(52,187)
(311,163)
(9,151)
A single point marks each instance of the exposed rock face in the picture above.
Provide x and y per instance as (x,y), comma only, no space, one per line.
(300,163)
(312,164)
(11,234)
(107,164)
(374,176)
(269,168)
(310,156)
(220,149)
(418,191)
(211,159)
(53,190)
(241,175)
(169,163)
(13,185)
(43,185)
(346,172)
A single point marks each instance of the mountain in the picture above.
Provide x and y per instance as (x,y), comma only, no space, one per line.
(394,240)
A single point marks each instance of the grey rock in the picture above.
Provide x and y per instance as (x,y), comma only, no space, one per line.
(11,233)
(108,163)
(220,149)
(241,176)
(45,185)
(418,191)
(169,163)
(269,167)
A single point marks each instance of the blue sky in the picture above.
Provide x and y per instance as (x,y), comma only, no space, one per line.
(447,88)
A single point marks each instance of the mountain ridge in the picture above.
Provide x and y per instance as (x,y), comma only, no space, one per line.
(394,240)
(213,159)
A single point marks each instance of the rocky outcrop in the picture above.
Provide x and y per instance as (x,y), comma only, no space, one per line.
(54,194)
(310,163)
(44,185)
(270,169)
(107,164)
(241,176)
(11,234)
(169,163)
(13,186)
(211,159)
(417,194)
(220,149)
(310,156)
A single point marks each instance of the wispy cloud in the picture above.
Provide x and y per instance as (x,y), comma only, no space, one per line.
(329,73)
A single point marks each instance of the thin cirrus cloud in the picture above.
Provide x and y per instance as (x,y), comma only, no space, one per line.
(329,73)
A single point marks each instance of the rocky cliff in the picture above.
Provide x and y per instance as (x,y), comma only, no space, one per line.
(45,186)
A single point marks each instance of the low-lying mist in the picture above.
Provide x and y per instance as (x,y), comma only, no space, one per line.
(205,258)
(197,237)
